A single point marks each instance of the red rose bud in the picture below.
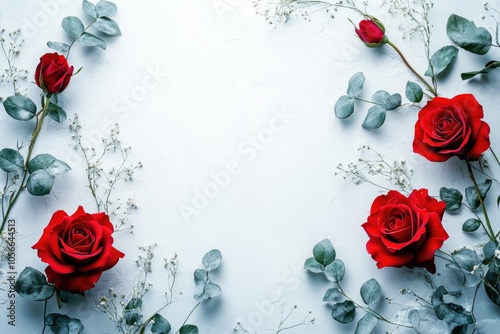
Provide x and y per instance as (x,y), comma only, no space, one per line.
(53,73)
(405,231)
(77,249)
(371,32)
(451,127)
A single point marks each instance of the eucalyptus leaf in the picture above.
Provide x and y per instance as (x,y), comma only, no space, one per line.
(58,46)
(313,266)
(335,271)
(200,277)
(489,250)
(471,225)
(465,259)
(393,102)
(73,26)
(449,312)
(32,285)
(452,197)
(375,117)
(62,324)
(89,9)
(212,259)
(106,8)
(160,325)
(344,312)
(472,196)
(440,60)
(414,318)
(324,252)
(366,324)
(492,281)
(20,107)
(371,293)
(210,291)
(87,39)
(466,35)
(132,311)
(56,113)
(380,97)
(49,164)
(107,26)
(188,329)
(11,160)
(332,295)
(355,85)
(344,107)
(414,92)
(488,67)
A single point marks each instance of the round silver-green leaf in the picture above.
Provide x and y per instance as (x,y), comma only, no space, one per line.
(40,183)
(32,285)
(20,107)
(344,312)
(212,259)
(335,271)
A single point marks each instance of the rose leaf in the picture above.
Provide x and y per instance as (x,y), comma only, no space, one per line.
(414,92)
(20,107)
(355,85)
(32,285)
(366,324)
(188,329)
(371,293)
(344,312)
(212,259)
(62,324)
(11,160)
(466,35)
(313,266)
(324,252)
(344,107)
(452,198)
(375,117)
(335,271)
(440,60)
(160,325)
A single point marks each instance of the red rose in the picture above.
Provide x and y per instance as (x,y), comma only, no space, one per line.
(405,231)
(371,32)
(77,248)
(451,127)
(53,73)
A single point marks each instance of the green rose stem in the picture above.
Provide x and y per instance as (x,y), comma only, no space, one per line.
(490,232)
(38,127)
(431,89)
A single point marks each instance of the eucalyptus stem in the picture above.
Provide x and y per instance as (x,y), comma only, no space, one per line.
(189,315)
(490,232)
(431,88)
(34,136)
(44,315)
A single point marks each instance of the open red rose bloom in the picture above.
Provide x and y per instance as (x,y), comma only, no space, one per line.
(451,127)
(405,231)
(77,249)
(53,73)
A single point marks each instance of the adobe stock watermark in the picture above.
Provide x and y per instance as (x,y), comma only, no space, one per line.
(48,11)
(222,7)
(121,109)
(247,152)
(266,308)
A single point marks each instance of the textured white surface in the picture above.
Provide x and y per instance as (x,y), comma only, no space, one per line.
(221,75)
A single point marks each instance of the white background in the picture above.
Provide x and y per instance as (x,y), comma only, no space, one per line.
(222,75)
